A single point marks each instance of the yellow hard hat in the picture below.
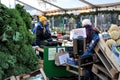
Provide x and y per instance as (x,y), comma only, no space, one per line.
(42,18)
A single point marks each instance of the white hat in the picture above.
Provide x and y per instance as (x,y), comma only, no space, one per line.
(86,22)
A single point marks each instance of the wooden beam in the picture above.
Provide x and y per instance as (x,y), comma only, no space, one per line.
(30,6)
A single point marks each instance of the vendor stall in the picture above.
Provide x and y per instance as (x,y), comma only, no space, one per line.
(60,39)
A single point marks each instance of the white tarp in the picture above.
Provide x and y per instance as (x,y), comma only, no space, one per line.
(39,4)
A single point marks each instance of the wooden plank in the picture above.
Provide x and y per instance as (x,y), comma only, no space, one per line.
(72,71)
(11,78)
(25,76)
(102,68)
(102,77)
(43,74)
(119,77)
(108,53)
(80,71)
(108,66)
(84,61)
(73,66)
(89,63)
(95,70)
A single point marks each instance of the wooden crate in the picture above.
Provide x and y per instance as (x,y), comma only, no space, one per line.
(11,78)
(108,54)
(84,61)
(32,74)
(101,72)
(71,68)
(107,58)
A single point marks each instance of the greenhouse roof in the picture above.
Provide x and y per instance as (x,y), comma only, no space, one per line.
(45,6)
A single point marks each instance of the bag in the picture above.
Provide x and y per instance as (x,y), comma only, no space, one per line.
(57,58)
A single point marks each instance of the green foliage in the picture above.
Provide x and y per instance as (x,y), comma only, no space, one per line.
(25,16)
(16,53)
(3,17)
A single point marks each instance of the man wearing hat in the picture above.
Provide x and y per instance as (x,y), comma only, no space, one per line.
(42,32)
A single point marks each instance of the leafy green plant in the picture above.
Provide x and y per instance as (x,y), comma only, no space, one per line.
(25,15)
(16,53)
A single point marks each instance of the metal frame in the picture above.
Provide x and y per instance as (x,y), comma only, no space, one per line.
(110,5)
(54,5)
(90,4)
(88,7)
(30,6)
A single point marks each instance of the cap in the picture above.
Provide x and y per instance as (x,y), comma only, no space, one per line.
(42,18)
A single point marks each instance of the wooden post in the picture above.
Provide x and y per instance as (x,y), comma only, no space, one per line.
(95,20)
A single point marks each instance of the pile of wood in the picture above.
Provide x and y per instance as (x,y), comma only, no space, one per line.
(26,76)
(110,67)
(104,63)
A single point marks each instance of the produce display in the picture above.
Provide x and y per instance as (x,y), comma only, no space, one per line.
(110,42)
(16,53)
(114,32)
(113,27)
(114,35)
(118,42)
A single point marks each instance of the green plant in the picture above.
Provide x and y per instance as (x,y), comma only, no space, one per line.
(16,53)
(25,15)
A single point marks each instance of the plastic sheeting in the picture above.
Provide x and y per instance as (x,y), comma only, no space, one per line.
(65,4)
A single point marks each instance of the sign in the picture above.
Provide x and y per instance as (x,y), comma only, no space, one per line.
(63,58)
(78,32)
(51,53)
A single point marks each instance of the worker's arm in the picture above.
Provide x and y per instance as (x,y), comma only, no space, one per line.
(40,49)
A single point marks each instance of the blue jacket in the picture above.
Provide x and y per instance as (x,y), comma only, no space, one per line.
(93,43)
(41,35)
